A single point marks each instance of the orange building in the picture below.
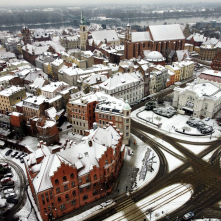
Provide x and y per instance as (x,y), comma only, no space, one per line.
(161,38)
(80,174)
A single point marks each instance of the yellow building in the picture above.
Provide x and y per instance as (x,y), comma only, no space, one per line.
(11,96)
(176,70)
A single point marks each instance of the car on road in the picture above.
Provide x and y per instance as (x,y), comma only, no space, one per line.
(188,216)
(6,179)
(10,195)
(14,154)
(12,200)
(108,202)
(11,190)
(8,152)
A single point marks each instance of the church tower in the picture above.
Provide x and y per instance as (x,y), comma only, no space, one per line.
(26,35)
(83,33)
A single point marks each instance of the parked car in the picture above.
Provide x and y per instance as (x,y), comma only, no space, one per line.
(206,129)
(11,190)
(21,156)
(192,122)
(18,155)
(21,160)
(8,152)
(14,154)
(8,175)
(200,124)
(12,200)
(6,179)
(188,215)
(10,195)
(7,187)
(4,164)
(8,183)
(207,119)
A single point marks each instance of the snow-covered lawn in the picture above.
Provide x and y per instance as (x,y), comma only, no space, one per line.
(176,122)
(138,161)
(160,203)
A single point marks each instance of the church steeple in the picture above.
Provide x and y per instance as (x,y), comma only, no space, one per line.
(83,33)
(82,19)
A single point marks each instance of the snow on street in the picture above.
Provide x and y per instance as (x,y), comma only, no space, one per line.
(160,203)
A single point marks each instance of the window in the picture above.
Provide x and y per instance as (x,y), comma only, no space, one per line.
(43,199)
(106,161)
(45,210)
(95,192)
(81,190)
(87,178)
(56,181)
(80,180)
(95,176)
(58,190)
(74,193)
(85,197)
(62,207)
(46,194)
(72,175)
(59,199)
(50,192)
(65,187)
(67,196)
(73,202)
(64,178)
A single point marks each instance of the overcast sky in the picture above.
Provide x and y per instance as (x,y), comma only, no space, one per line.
(76,3)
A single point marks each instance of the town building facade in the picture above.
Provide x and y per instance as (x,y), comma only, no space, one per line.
(63,181)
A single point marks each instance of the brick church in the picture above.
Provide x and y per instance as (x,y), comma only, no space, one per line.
(161,38)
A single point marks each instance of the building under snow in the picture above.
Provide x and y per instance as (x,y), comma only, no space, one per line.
(74,175)
(198,99)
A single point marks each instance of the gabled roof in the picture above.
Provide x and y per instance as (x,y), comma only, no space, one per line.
(166,32)
(140,36)
(110,35)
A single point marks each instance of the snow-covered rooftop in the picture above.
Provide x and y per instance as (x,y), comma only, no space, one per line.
(166,32)
(9,91)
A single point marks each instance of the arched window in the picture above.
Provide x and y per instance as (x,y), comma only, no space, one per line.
(95,176)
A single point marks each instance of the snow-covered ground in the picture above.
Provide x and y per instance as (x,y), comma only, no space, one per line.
(196,149)
(179,122)
(141,149)
(160,203)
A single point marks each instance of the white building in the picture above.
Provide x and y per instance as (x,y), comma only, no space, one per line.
(129,86)
(198,99)
(51,90)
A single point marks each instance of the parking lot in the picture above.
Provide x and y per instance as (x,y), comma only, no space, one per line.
(176,123)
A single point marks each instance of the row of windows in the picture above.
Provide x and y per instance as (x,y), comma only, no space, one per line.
(78,117)
(80,124)
(46,196)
